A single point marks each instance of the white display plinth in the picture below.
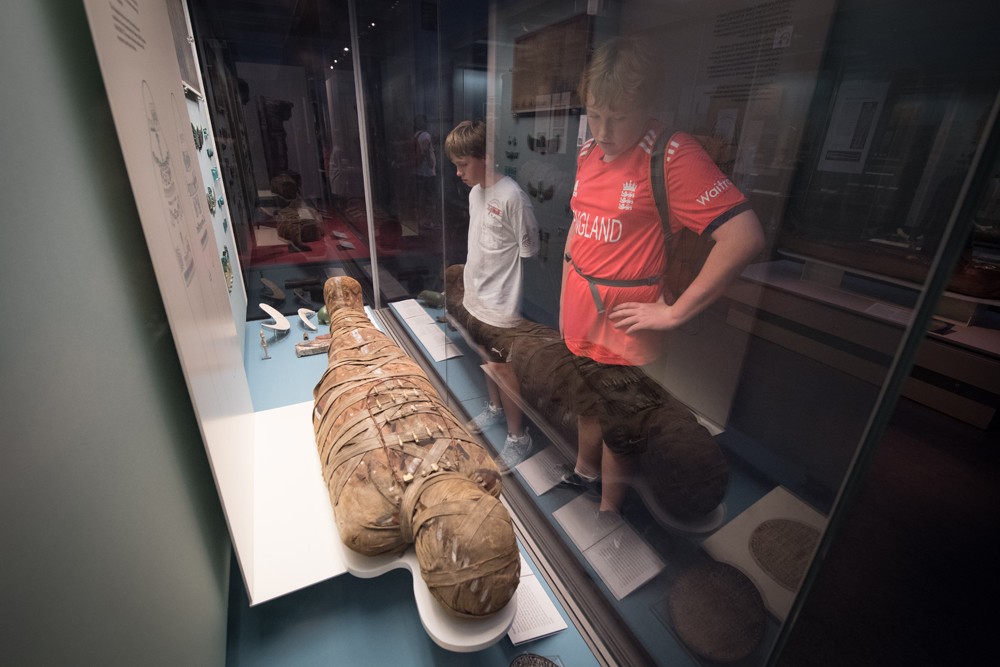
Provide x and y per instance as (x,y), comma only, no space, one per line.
(731,544)
(295,540)
(449,632)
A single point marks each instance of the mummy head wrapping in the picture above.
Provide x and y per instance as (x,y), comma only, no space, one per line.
(401,468)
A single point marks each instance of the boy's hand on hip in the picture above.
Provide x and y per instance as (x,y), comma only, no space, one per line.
(634,316)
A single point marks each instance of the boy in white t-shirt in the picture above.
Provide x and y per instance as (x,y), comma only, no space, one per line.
(502,230)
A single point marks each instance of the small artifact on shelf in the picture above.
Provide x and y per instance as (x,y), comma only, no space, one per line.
(263,345)
(431,298)
(783,548)
(270,290)
(318,345)
(305,315)
(278,323)
(402,469)
(717,612)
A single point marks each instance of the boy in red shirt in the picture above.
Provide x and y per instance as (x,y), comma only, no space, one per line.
(612,305)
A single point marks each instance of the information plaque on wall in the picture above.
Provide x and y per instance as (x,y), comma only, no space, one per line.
(549,62)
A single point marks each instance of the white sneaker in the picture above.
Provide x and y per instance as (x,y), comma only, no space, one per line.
(490,415)
(515,449)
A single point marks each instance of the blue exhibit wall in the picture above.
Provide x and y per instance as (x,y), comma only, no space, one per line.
(114,548)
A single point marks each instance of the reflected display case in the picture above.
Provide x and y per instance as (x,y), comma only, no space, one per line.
(673,493)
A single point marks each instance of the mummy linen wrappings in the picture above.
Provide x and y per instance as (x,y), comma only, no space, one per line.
(401,468)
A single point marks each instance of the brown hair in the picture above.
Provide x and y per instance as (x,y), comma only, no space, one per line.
(468,139)
(622,72)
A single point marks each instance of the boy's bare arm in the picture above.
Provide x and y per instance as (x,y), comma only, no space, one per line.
(737,242)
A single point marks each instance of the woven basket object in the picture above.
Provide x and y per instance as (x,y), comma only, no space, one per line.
(783,549)
(682,468)
(401,468)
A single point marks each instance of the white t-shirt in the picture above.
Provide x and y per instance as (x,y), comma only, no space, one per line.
(502,229)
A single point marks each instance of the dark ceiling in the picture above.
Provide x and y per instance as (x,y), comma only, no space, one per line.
(291,31)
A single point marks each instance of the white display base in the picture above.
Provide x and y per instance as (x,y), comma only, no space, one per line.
(280,322)
(295,539)
(268,236)
(730,544)
(306,315)
(699,525)
(462,635)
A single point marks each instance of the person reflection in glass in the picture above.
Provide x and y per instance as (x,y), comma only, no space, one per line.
(425,173)
(613,304)
(502,231)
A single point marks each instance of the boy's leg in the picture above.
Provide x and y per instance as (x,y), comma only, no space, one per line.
(517,445)
(493,410)
(506,394)
(590,441)
(493,392)
(616,471)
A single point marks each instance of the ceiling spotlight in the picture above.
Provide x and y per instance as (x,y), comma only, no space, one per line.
(346,49)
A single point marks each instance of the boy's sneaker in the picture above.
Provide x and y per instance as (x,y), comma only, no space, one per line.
(515,449)
(574,480)
(490,415)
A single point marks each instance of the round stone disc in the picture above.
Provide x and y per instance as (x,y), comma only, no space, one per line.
(717,611)
(531,660)
(782,548)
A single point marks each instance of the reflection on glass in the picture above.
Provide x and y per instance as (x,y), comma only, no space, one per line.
(688,442)
(695,464)
(282,79)
(502,231)
(889,144)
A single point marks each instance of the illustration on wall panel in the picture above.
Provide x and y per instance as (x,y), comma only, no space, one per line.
(201,224)
(168,187)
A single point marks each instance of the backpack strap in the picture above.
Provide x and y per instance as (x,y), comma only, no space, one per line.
(594,281)
(658,181)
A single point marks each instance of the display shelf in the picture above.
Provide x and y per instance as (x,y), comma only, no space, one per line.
(295,538)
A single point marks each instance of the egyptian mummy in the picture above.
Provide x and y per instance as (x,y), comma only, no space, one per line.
(401,468)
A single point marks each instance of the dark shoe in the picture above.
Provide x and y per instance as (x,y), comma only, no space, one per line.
(573,480)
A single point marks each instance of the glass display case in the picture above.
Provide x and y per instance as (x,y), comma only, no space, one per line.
(674,501)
